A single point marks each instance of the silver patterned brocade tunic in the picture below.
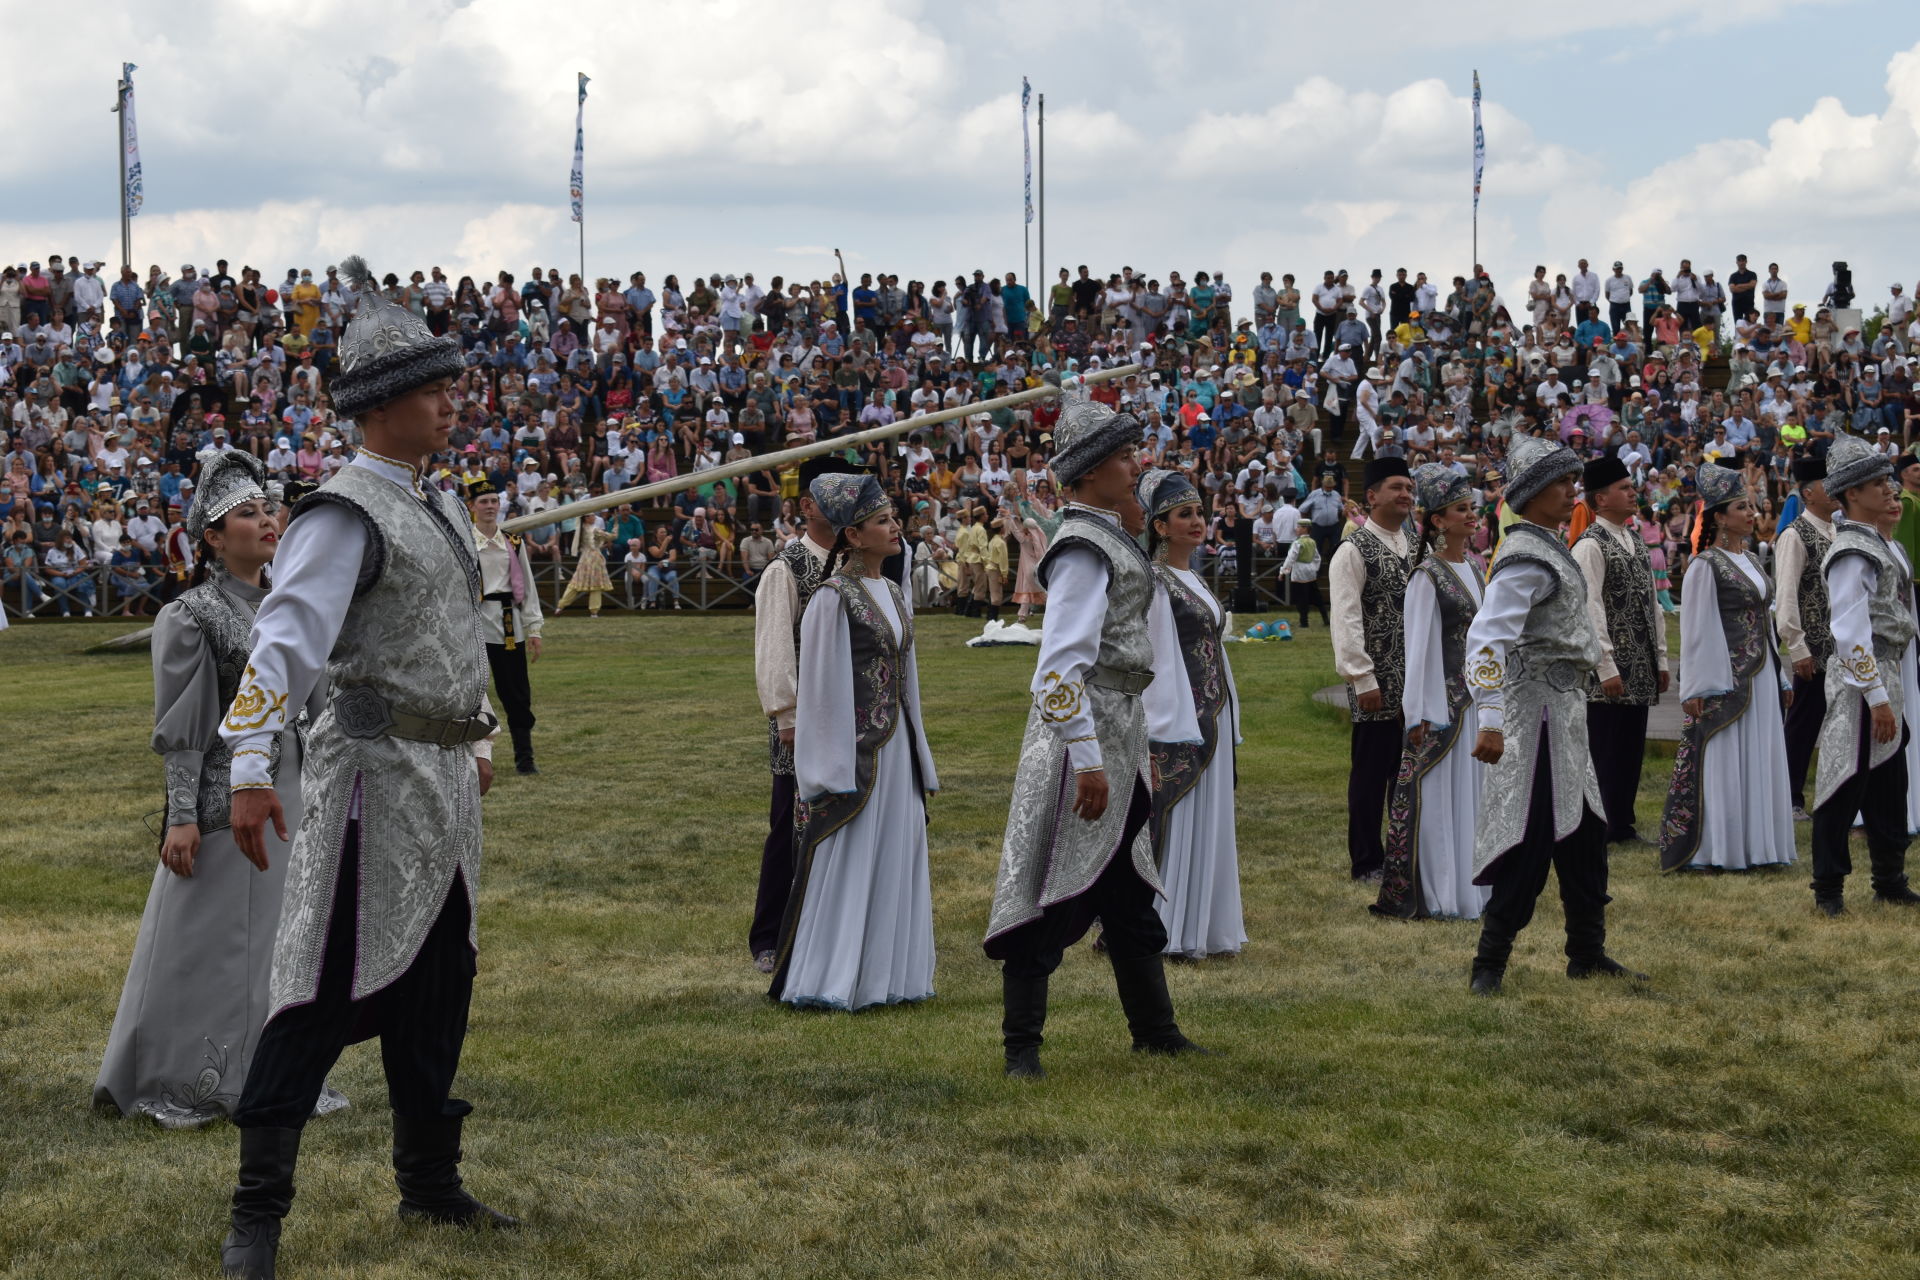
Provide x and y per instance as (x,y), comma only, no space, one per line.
(1049,855)
(1890,611)
(1543,685)
(412,634)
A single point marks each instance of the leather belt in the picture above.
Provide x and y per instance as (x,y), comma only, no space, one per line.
(361,712)
(1128,682)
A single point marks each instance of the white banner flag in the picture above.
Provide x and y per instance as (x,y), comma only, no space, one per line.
(130,140)
(1026,141)
(574,183)
(1479,144)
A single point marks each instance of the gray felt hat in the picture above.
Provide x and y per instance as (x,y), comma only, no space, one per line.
(1851,462)
(1088,434)
(1533,463)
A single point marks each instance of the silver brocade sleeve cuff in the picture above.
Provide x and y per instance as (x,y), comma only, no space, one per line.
(183,787)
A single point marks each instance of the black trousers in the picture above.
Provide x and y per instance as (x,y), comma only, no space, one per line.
(516,694)
(1804,718)
(1120,899)
(1323,330)
(421,1019)
(1880,797)
(1375,760)
(776,869)
(1580,863)
(1617,739)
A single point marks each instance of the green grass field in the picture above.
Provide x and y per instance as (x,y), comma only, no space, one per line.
(650,1113)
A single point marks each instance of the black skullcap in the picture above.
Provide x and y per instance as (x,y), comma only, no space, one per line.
(1602,472)
(1380,470)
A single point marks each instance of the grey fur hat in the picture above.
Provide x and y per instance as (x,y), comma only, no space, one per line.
(386,350)
(1851,462)
(1088,433)
(1533,463)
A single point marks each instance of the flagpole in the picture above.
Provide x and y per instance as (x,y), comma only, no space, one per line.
(1479,164)
(120,135)
(1041,283)
(576,181)
(1026,187)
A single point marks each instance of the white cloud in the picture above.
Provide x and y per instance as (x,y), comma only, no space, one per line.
(742,135)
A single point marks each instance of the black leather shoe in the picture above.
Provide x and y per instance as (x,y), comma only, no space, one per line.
(1024,1064)
(426,1168)
(525,765)
(1904,896)
(1175,1048)
(1486,982)
(1834,907)
(261,1197)
(1604,967)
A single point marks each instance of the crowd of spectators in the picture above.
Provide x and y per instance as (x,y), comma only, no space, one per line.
(108,391)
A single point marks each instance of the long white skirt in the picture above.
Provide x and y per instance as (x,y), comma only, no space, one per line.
(1449,816)
(1201,866)
(865,935)
(1746,806)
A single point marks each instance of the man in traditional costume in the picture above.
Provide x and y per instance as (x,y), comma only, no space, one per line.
(1369,576)
(779,605)
(1632,672)
(1078,843)
(378,591)
(1863,762)
(509,617)
(1530,652)
(1800,613)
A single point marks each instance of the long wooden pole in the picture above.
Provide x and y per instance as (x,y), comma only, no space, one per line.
(800,453)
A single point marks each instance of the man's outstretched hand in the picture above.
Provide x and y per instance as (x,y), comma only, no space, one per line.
(252,807)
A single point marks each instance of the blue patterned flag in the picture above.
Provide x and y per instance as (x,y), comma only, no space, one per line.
(1026,140)
(574,183)
(1479,144)
(130,140)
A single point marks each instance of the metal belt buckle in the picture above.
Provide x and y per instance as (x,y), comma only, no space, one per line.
(453,733)
(362,713)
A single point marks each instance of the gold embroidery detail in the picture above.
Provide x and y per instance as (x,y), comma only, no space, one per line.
(252,751)
(253,786)
(1862,665)
(1090,737)
(253,706)
(1486,671)
(1059,699)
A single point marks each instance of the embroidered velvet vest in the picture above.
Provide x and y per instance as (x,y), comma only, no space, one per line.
(1383,629)
(1811,592)
(1633,620)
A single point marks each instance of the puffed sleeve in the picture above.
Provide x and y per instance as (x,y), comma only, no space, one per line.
(1850,583)
(186,708)
(1069,649)
(1168,701)
(1510,597)
(824,741)
(1706,665)
(1425,697)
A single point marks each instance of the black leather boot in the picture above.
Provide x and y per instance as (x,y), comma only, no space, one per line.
(261,1199)
(1142,983)
(523,751)
(1486,982)
(1024,1017)
(426,1168)
(1602,966)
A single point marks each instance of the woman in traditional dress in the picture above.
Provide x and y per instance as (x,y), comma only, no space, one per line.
(859,924)
(196,994)
(1434,811)
(1730,806)
(1038,520)
(590,572)
(1193,828)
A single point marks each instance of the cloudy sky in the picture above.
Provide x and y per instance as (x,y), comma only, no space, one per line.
(756,135)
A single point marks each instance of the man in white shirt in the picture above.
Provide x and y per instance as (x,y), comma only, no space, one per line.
(1773,297)
(1801,612)
(1686,296)
(1585,286)
(1373,302)
(377,927)
(1870,597)
(1530,651)
(1369,578)
(1619,290)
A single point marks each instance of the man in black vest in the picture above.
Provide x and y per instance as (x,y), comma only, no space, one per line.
(779,602)
(1369,579)
(1632,673)
(1800,611)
